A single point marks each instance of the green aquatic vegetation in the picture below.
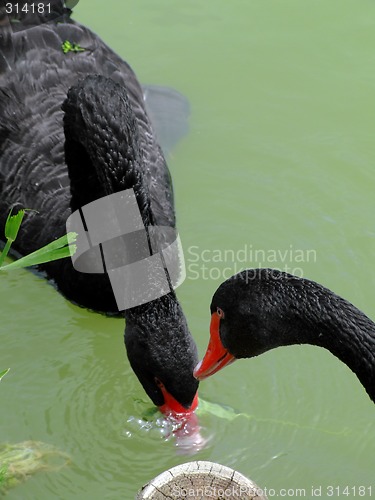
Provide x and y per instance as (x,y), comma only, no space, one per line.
(59,249)
(71,47)
(3,373)
(12,226)
(3,471)
(18,462)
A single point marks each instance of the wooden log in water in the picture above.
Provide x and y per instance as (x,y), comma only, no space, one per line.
(201,480)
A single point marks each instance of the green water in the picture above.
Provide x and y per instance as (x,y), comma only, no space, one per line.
(279,160)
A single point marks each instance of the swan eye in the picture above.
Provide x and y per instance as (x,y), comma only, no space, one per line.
(220,313)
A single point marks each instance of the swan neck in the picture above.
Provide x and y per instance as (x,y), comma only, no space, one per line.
(349,335)
(102,146)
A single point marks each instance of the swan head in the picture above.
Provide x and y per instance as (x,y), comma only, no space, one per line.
(162,353)
(249,316)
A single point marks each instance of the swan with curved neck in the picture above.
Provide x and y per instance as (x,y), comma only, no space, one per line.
(261,309)
(73,128)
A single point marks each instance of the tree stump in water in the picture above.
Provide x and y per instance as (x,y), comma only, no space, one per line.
(201,480)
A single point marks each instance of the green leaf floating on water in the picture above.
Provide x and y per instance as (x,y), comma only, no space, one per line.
(3,373)
(228,413)
(204,408)
(58,249)
(220,411)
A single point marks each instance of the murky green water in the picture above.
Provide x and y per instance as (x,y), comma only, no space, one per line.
(278,165)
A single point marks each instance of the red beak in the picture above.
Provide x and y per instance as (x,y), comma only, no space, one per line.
(216,356)
(173,408)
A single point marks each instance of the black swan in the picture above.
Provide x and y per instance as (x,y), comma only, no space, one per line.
(260,309)
(73,129)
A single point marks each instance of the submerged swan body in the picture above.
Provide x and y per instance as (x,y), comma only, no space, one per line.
(73,128)
(261,309)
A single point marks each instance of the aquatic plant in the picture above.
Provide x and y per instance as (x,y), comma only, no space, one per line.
(18,462)
(59,249)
